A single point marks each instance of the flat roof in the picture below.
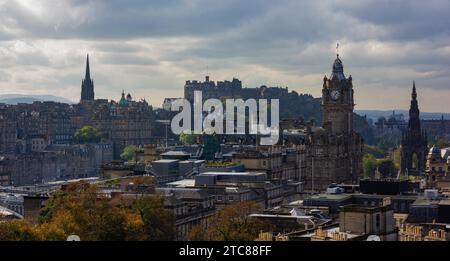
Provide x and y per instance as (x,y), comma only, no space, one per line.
(165,161)
(347,195)
(232,173)
(332,230)
(175,153)
(182,183)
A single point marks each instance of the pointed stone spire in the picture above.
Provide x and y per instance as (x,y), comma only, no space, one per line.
(88,71)
(414,113)
(87,84)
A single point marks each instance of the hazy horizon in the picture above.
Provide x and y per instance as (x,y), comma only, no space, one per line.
(150,48)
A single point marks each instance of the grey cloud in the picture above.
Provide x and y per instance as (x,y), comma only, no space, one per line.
(161,43)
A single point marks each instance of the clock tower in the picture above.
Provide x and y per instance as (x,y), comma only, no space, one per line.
(335,150)
(337,101)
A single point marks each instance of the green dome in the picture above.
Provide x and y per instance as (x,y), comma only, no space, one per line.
(123,101)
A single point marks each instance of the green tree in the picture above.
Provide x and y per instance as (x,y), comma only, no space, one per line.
(387,168)
(87,134)
(188,138)
(211,145)
(129,153)
(397,157)
(369,165)
(375,151)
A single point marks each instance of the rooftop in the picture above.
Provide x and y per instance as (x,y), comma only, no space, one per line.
(175,153)
(234,173)
(182,183)
(165,161)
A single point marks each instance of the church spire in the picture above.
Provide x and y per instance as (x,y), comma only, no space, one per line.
(414,92)
(87,84)
(88,71)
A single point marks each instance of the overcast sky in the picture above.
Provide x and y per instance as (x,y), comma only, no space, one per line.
(150,48)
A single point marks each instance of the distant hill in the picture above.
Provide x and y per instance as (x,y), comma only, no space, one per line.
(20,98)
(375,114)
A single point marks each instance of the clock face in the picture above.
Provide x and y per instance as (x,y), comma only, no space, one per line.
(335,95)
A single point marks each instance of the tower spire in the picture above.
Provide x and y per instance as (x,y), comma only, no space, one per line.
(88,71)
(87,84)
(414,118)
(337,50)
(414,92)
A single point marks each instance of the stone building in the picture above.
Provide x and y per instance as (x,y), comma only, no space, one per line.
(334,150)
(414,141)
(123,123)
(58,162)
(51,120)
(437,171)
(280,163)
(8,134)
(230,89)
(191,206)
(363,220)
(437,128)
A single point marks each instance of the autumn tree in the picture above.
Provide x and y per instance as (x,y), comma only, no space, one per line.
(17,230)
(232,223)
(158,222)
(80,209)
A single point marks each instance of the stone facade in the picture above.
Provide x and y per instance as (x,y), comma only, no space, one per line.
(334,150)
(55,163)
(280,164)
(437,172)
(122,124)
(364,220)
(8,134)
(230,89)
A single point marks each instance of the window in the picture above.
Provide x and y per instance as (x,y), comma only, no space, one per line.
(219,198)
(377,221)
(230,198)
